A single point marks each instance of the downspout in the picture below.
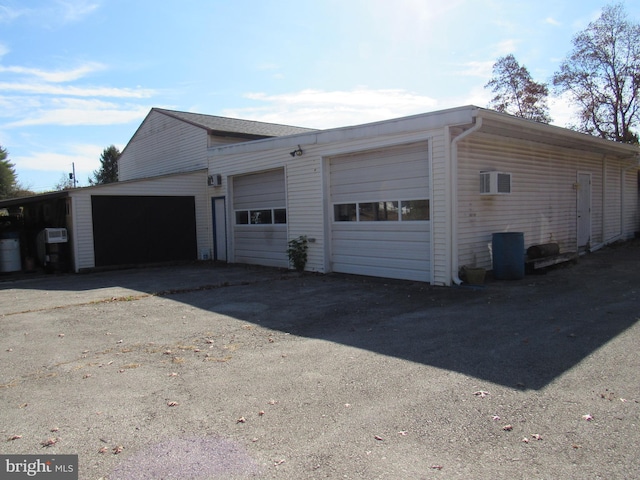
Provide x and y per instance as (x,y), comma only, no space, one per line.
(453,213)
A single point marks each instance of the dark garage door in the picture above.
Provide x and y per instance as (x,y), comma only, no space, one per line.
(134,230)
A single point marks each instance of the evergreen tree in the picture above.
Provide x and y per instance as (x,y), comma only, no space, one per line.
(108,172)
(8,182)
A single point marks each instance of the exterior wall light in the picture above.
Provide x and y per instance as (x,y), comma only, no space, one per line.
(297,153)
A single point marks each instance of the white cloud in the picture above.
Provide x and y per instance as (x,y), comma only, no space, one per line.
(69,112)
(85,157)
(562,110)
(552,21)
(328,109)
(9,14)
(58,76)
(482,69)
(3,50)
(75,10)
(45,89)
(506,47)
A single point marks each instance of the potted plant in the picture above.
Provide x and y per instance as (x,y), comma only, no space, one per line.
(297,252)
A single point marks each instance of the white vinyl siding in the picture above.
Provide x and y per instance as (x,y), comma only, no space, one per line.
(260,244)
(392,248)
(543,199)
(163,145)
(190,184)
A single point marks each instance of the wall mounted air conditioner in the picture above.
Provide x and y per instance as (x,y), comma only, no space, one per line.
(495,183)
(55,235)
(214,180)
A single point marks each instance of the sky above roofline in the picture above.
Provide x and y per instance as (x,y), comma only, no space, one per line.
(79,75)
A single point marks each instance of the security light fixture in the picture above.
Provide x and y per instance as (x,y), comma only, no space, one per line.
(297,153)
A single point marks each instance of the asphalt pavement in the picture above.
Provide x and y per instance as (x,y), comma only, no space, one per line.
(207,371)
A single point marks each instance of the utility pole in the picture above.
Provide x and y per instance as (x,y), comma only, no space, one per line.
(72,176)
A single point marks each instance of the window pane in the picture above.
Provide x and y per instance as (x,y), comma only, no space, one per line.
(345,212)
(280,215)
(415,210)
(260,217)
(367,212)
(387,210)
(242,218)
(378,211)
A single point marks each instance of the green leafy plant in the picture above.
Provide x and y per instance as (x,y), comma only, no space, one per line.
(297,252)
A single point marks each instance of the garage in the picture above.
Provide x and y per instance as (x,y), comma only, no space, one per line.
(380,213)
(260,219)
(129,230)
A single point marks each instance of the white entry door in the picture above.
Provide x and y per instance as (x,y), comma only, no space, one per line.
(584,211)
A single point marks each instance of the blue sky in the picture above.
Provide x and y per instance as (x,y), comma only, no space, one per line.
(79,75)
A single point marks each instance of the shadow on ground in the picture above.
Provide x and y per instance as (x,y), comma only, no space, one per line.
(521,334)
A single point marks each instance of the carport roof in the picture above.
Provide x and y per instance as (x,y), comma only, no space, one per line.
(21,201)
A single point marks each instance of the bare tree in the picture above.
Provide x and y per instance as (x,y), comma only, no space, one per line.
(516,93)
(602,75)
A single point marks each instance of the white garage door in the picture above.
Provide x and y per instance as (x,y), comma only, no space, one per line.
(260,219)
(380,213)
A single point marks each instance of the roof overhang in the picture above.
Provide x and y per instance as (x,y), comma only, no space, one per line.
(513,127)
(43,197)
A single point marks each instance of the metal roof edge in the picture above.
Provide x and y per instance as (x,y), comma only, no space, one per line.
(423,121)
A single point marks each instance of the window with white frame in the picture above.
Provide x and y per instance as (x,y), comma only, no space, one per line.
(262,216)
(382,211)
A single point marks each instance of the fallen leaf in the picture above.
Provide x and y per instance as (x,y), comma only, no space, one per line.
(54,429)
(495,418)
(378,437)
(507,428)
(437,467)
(49,441)
(279,462)
(103,450)
(481,393)
(14,437)
(241,420)
(535,436)
(117,449)
(402,433)
(588,417)
(61,335)
(261,412)
(172,404)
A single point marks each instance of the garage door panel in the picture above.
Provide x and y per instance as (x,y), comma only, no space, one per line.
(131,230)
(262,244)
(387,272)
(394,248)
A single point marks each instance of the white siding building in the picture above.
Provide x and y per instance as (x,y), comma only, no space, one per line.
(413,198)
(402,198)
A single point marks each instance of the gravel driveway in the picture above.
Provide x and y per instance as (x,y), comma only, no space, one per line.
(232,372)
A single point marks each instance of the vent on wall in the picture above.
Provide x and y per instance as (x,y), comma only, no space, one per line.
(495,183)
(214,180)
